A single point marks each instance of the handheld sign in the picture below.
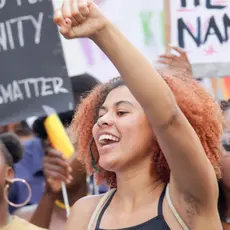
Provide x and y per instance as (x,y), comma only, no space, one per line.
(57,134)
(61,142)
(202,29)
(33,71)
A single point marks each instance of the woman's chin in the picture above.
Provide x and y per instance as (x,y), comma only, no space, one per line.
(108,164)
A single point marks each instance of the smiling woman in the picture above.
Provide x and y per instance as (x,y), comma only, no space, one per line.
(106,109)
(155,139)
(122,119)
(123,137)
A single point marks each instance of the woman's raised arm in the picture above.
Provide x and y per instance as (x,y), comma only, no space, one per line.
(191,171)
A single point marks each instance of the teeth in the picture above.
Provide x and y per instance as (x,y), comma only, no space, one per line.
(108,137)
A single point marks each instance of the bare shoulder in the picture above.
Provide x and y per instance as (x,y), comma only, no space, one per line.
(82,211)
(87,203)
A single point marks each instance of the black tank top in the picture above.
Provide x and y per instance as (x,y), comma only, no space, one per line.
(156,223)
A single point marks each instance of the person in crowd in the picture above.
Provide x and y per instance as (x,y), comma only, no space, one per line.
(30,166)
(224,185)
(22,129)
(153,138)
(13,144)
(176,60)
(10,153)
(50,213)
(176,63)
(30,169)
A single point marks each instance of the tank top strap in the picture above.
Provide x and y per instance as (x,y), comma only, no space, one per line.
(99,208)
(174,211)
(104,209)
(160,203)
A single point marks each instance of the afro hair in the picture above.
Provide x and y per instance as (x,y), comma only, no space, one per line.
(199,107)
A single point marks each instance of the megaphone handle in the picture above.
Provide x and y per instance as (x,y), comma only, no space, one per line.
(65,198)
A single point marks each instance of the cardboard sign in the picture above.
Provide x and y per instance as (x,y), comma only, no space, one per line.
(33,72)
(202,28)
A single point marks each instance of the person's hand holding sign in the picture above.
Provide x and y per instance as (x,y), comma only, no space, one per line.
(56,169)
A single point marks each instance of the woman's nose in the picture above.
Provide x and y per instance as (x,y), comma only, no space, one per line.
(105,121)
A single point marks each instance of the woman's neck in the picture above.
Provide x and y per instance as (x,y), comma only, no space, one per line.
(138,187)
(4,213)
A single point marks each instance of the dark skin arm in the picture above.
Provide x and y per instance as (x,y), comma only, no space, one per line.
(56,168)
(43,213)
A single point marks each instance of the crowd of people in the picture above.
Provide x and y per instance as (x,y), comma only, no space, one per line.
(155,141)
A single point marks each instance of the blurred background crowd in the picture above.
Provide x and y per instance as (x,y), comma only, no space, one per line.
(81,66)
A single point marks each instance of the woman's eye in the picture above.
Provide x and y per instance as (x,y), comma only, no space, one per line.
(120,113)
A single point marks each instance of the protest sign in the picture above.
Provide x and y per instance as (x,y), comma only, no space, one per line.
(33,72)
(202,28)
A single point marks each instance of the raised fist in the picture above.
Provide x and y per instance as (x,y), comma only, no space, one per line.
(79,18)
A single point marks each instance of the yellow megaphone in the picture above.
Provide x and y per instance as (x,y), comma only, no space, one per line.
(60,141)
(57,134)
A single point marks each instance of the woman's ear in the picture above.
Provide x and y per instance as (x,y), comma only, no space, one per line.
(9,173)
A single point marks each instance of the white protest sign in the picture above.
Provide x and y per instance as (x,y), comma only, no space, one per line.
(202,27)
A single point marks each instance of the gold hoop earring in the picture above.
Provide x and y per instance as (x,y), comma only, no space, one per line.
(6,192)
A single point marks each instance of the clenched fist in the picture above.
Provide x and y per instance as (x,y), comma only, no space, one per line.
(79,18)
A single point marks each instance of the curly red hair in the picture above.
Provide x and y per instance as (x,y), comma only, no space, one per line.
(201,110)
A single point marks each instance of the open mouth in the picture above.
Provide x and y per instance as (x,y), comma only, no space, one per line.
(108,139)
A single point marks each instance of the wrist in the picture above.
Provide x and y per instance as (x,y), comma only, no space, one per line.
(49,193)
(102,33)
